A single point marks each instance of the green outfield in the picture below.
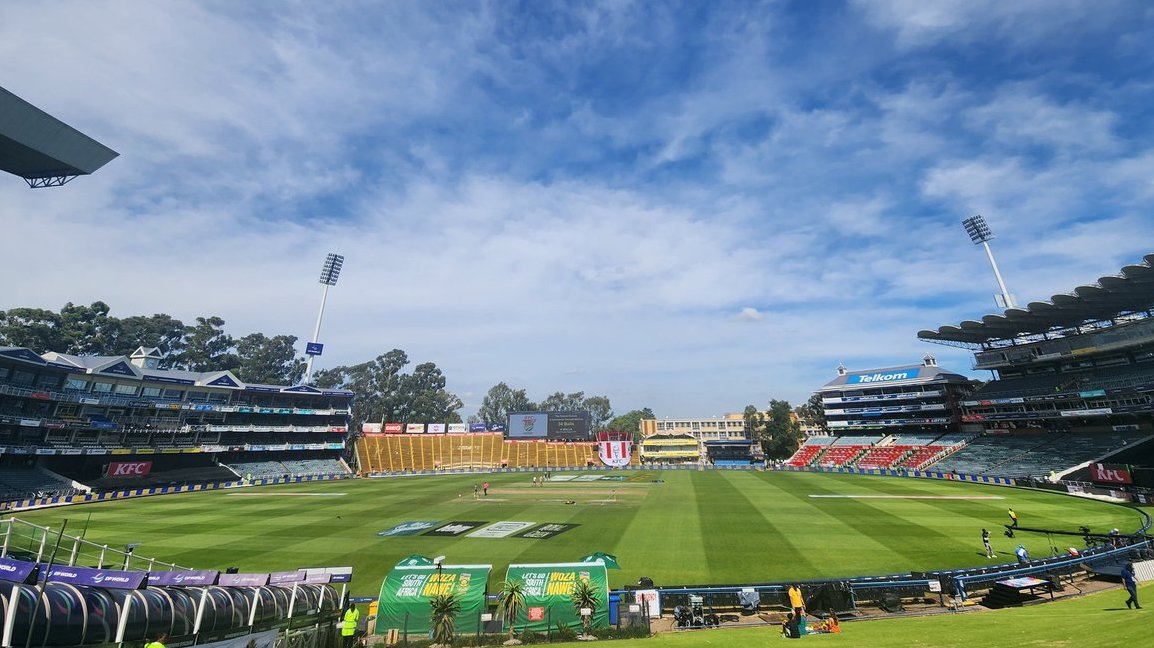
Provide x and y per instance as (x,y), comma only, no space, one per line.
(677,527)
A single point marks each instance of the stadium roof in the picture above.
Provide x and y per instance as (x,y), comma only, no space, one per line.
(1129,291)
(43,150)
(911,374)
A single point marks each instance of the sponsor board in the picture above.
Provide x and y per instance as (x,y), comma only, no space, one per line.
(412,527)
(394,428)
(614,453)
(414,428)
(458,428)
(1110,473)
(546,531)
(501,529)
(371,428)
(877,376)
(436,428)
(455,528)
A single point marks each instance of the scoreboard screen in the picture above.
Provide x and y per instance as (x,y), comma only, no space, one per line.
(560,426)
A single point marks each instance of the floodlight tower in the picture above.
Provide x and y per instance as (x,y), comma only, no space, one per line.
(330,272)
(980,233)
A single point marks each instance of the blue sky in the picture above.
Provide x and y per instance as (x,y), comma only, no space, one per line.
(685,206)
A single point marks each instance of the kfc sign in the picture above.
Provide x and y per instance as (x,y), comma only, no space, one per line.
(1110,474)
(129,468)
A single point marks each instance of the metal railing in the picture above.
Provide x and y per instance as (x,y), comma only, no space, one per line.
(26,541)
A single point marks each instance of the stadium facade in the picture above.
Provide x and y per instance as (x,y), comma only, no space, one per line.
(69,421)
(917,398)
(720,441)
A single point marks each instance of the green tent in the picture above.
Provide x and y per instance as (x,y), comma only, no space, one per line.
(547,588)
(407,590)
(609,560)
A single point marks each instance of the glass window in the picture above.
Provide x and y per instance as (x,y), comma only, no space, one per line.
(49,380)
(102,387)
(197,396)
(78,384)
(22,377)
(154,392)
(4,372)
(126,389)
(174,393)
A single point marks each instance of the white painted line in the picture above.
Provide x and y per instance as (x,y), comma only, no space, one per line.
(916,497)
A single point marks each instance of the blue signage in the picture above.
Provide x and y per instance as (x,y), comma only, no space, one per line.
(891,375)
(314,348)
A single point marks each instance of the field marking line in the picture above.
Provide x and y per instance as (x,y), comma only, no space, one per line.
(287,494)
(916,497)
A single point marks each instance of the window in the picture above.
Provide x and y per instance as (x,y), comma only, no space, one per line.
(22,377)
(197,396)
(129,390)
(102,387)
(79,384)
(4,372)
(175,394)
(49,381)
(151,392)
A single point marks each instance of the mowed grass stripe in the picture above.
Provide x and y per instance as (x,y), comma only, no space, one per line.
(664,539)
(738,521)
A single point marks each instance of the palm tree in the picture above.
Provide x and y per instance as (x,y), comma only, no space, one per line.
(585,595)
(509,604)
(445,608)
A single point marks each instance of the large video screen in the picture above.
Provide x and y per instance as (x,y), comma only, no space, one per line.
(561,426)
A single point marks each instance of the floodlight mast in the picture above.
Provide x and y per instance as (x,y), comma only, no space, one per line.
(980,233)
(330,272)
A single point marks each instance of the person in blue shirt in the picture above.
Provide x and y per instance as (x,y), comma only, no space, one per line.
(1131,585)
(1022,554)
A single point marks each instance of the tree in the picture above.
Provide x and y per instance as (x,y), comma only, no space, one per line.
(35,328)
(208,347)
(561,402)
(500,400)
(631,422)
(443,618)
(86,330)
(782,436)
(271,361)
(755,423)
(423,398)
(600,411)
(377,384)
(585,595)
(814,412)
(161,331)
(510,601)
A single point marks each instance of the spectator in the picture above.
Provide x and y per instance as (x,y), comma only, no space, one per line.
(1022,554)
(1131,584)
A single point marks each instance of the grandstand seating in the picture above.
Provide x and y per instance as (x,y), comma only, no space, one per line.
(402,452)
(1035,454)
(882,456)
(806,454)
(287,467)
(840,455)
(16,483)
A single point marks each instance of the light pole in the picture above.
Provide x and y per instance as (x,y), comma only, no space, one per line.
(330,272)
(980,234)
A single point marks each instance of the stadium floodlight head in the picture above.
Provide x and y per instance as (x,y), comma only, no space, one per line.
(331,271)
(977,229)
(981,234)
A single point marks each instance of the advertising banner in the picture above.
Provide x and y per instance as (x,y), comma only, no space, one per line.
(406,591)
(15,571)
(435,428)
(1110,474)
(548,588)
(501,529)
(182,578)
(371,428)
(546,531)
(455,528)
(460,428)
(414,428)
(477,427)
(92,577)
(394,428)
(243,580)
(614,454)
(412,527)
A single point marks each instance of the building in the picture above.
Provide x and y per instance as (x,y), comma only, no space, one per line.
(921,399)
(1081,362)
(84,419)
(729,426)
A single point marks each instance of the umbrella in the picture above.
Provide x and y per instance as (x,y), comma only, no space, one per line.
(414,560)
(609,560)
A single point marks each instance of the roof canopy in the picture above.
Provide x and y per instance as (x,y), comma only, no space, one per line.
(42,149)
(1131,290)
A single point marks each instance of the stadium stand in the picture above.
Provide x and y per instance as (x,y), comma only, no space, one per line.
(121,421)
(1078,368)
(385,453)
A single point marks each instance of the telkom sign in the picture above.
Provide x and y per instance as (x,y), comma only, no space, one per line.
(882,377)
(129,468)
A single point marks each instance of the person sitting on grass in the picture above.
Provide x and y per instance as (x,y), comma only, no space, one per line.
(789,627)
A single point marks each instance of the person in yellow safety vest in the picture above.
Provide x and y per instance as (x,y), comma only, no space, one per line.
(348,624)
(158,642)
